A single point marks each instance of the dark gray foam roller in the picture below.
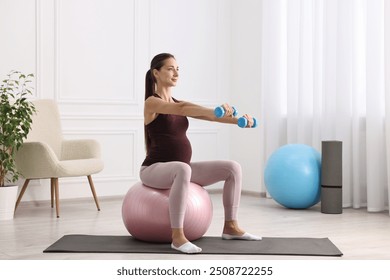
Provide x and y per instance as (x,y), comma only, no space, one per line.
(331,177)
(331,200)
(331,164)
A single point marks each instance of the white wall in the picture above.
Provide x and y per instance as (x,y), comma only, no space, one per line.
(246,89)
(91,57)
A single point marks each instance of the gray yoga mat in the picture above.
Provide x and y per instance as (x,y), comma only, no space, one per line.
(79,243)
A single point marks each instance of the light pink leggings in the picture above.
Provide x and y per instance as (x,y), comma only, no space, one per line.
(177,176)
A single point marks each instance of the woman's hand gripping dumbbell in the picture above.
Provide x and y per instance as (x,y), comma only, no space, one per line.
(242,122)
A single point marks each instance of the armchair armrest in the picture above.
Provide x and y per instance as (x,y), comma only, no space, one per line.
(80,149)
(36,160)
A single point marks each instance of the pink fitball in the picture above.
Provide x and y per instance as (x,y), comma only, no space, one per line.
(145,213)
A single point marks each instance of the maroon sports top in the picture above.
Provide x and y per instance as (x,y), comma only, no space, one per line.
(169,140)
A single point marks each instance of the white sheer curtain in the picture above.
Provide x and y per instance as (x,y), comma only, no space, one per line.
(326,76)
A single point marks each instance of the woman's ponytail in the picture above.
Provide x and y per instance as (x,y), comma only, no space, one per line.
(149,84)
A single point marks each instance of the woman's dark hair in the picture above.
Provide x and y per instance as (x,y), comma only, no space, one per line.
(156,63)
(150,82)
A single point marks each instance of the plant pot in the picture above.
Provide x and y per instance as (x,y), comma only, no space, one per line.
(7,202)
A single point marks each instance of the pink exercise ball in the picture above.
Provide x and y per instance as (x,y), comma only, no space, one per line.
(145,213)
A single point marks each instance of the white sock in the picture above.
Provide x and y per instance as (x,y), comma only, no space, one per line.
(245,236)
(187,248)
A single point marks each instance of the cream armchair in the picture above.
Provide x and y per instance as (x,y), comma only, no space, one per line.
(45,154)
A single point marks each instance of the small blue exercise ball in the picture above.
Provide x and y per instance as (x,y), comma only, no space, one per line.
(292,176)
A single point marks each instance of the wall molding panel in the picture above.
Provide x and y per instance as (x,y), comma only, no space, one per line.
(90,45)
(19,33)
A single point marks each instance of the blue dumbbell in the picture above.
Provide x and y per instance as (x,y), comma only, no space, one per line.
(243,122)
(219,112)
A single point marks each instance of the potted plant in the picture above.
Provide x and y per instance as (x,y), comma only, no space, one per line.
(15,123)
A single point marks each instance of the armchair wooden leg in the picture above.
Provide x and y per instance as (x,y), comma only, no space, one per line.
(52,191)
(57,195)
(22,192)
(93,192)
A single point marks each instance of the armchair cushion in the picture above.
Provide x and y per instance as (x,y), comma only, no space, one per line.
(80,149)
(78,167)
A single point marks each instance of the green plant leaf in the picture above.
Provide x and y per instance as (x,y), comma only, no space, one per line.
(15,121)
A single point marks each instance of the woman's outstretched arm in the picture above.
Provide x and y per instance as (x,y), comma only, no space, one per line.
(154,105)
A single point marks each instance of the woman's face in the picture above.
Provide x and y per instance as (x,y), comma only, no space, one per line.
(168,74)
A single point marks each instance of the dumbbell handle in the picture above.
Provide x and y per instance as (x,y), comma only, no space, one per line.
(243,122)
(219,112)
